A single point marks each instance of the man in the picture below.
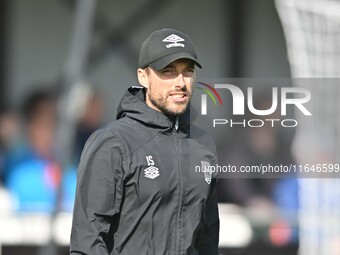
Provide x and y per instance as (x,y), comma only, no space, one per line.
(136,193)
(33,174)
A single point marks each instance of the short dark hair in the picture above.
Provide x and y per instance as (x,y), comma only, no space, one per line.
(32,104)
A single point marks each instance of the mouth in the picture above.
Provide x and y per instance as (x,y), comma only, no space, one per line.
(179,97)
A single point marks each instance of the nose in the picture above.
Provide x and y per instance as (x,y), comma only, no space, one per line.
(180,81)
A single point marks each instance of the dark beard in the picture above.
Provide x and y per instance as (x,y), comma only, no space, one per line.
(163,108)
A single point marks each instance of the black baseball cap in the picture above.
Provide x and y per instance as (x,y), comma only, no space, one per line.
(165,46)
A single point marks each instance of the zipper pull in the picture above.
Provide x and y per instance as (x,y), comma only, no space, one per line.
(177,123)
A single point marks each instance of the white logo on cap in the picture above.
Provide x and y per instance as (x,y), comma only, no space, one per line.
(174,39)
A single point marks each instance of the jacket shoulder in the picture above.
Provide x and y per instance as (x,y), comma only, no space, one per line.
(132,134)
(103,137)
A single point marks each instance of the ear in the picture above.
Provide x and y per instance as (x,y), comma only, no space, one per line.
(143,77)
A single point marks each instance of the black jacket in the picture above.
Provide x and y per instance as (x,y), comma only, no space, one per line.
(136,190)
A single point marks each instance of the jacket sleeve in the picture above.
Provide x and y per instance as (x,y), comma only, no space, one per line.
(98,196)
(210,236)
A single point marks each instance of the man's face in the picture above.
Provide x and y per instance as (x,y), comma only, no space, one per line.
(169,90)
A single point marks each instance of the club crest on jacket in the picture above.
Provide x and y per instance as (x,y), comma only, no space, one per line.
(207,171)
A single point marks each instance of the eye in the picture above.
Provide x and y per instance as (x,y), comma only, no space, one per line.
(189,71)
(168,71)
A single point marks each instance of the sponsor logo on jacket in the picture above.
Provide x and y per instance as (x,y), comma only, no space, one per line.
(152,171)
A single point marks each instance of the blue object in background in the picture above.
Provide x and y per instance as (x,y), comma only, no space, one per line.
(286,194)
(69,188)
(31,186)
(286,198)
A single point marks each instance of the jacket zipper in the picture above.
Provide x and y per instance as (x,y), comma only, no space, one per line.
(180,202)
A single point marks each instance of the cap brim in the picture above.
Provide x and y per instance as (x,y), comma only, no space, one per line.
(166,60)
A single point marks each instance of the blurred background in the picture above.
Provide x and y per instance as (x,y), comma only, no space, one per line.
(64,66)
